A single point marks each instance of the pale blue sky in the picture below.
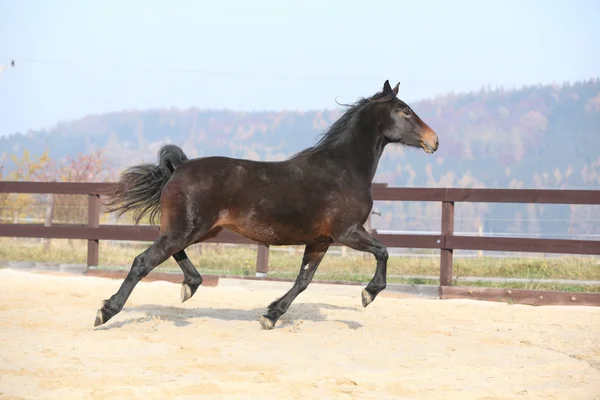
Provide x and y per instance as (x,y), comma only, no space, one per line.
(79,57)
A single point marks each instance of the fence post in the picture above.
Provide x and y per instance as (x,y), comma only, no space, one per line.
(48,215)
(93,222)
(446,254)
(262,260)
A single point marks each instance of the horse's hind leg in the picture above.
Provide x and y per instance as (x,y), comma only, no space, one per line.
(145,262)
(168,243)
(191,277)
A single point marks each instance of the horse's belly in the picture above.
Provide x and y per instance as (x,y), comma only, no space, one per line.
(270,236)
(290,226)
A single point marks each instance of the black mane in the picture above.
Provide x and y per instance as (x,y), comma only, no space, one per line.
(336,132)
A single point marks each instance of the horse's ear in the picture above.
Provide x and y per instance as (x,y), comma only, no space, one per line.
(387,88)
(396,88)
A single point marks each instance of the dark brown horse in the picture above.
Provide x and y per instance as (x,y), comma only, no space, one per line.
(317,197)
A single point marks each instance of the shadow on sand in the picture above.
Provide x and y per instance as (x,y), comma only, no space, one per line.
(184,316)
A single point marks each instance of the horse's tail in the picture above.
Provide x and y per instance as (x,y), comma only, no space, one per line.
(139,187)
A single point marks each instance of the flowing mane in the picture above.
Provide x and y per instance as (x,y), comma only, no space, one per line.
(335,133)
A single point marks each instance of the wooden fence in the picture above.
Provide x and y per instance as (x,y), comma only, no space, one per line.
(446,241)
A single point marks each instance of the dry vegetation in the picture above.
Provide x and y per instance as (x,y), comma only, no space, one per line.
(284,262)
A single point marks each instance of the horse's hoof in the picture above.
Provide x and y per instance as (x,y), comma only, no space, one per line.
(99,319)
(266,323)
(367,298)
(186,292)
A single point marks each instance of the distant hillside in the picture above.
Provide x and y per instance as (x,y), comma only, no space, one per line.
(535,137)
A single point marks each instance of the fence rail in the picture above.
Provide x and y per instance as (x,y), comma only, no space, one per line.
(446,241)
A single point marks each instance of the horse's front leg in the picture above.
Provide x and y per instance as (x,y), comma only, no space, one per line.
(313,254)
(361,240)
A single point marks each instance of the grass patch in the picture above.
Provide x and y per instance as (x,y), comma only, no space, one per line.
(211,258)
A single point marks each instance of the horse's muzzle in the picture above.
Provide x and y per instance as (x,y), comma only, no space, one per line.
(429,142)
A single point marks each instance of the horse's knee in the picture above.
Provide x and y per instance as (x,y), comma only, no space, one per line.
(382,253)
(302,286)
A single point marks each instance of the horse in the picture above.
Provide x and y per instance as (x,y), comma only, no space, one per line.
(318,196)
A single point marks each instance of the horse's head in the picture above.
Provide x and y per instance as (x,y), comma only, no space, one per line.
(399,123)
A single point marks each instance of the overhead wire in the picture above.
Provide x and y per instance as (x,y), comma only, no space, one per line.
(158,68)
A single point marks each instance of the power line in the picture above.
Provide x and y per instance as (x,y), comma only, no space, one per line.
(149,68)
(270,74)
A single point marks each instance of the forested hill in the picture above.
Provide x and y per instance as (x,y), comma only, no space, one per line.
(534,137)
(539,136)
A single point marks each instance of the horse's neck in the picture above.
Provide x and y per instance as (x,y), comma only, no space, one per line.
(361,153)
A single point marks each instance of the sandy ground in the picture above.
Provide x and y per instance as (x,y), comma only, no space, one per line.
(326,347)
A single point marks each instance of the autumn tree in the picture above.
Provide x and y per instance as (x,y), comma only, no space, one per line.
(90,167)
(26,168)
